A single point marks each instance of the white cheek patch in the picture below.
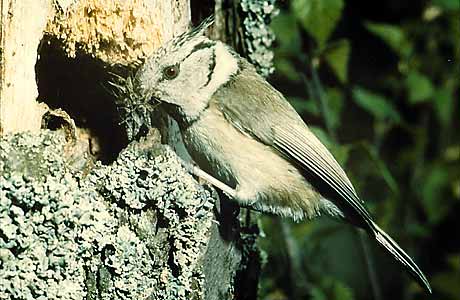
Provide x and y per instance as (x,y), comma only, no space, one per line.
(202,74)
(226,66)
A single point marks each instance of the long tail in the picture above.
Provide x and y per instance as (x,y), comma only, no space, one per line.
(392,247)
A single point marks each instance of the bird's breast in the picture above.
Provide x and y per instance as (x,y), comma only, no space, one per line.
(255,170)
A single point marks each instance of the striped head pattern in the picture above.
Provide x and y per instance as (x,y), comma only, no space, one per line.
(185,72)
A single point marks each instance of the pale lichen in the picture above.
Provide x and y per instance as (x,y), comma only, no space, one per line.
(258,36)
(132,230)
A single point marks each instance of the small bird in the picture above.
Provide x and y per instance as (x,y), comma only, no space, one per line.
(248,141)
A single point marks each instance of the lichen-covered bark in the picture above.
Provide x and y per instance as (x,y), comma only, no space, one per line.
(140,228)
(258,36)
(245,25)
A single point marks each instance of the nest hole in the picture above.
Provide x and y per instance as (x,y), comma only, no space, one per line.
(80,86)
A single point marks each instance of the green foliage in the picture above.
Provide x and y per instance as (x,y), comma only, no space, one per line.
(393,36)
(391,117)
(447,282)
(419,87)
(289,42)
(435,180)
(380,166)
(288,36)
(335,104)
(444,104)
(286,67)
(377,105)
(307,13)
(337,56)
(301,104)
(331,289)
(452,5)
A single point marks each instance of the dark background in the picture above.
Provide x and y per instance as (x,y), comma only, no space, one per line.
(378,82)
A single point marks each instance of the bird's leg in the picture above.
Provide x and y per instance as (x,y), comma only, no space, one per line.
(230,192)
(215,182)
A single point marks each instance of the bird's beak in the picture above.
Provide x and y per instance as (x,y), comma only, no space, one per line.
(154,101)
(155,98)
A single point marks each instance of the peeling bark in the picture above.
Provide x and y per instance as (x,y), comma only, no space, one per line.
(19,39)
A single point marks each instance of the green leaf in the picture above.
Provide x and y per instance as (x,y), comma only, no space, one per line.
(335,101)
(377,105)
(318,17)
(382,167)
(341,154)
(393,36)
(419,87)
(287,34)
(304,105)
(447,281)
(444,104)
(436,180)
(447,4)
(342,292)
(331,289)
(318,294)
(337,57)
(454,262)
(285,67)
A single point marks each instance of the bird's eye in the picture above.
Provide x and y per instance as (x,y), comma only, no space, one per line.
(171,72)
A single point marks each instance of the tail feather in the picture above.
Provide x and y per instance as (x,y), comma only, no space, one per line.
(391,246)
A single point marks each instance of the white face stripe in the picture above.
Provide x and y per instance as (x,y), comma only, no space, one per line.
(226,66)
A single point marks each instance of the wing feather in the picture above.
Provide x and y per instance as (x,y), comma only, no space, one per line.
(256,109)
(313,159)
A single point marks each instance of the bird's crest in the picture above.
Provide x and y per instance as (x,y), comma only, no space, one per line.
(185,37)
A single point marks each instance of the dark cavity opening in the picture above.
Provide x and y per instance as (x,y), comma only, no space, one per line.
(80,86)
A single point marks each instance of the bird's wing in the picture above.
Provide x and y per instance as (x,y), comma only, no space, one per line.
(258,110)
(255,108)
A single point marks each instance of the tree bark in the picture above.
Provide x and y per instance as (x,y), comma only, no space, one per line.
(78,218)
(19,38)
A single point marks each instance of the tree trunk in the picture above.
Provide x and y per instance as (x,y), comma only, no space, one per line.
(80,218)
(19,39)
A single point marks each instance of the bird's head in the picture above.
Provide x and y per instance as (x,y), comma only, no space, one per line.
(185,72)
